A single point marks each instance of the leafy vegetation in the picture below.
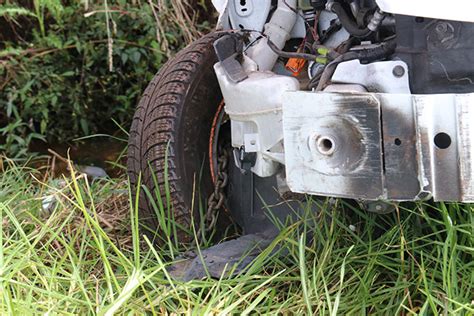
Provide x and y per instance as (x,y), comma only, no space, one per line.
(83,254)
(67,69)
(72,246)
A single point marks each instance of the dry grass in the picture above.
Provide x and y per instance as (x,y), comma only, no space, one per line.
(111,204)
(85,255)
(177,14)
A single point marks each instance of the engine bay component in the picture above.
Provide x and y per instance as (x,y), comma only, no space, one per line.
(439,54)
(254,107)
(349,24)
(372,146)
(277,30)
(332,144)
(365,54)
(376,21)
(229,49)
(318,4)
(383,76)
(248,14)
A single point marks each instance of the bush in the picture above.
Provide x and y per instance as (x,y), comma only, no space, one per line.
(67,70)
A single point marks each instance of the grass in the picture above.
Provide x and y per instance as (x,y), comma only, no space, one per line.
(85,255)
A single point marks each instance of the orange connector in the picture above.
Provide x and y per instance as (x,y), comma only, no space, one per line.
(295,65)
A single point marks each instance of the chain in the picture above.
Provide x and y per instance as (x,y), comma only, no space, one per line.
(217,198)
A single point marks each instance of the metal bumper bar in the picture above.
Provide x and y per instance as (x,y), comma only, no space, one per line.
(380,146)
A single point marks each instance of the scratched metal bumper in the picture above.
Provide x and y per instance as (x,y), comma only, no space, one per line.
(380,146)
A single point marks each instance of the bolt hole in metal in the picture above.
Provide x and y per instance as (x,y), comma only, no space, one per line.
(398,141)
(442,140)
(243,3)
(325,145)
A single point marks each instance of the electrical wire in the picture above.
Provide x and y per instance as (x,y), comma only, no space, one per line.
(309,27)
(366,55)
(284,54)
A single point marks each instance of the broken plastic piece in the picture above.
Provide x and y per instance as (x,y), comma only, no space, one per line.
(227,258)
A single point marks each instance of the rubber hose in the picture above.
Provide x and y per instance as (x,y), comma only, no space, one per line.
(347,22)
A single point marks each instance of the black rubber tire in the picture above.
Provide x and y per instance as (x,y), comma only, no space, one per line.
(176,112)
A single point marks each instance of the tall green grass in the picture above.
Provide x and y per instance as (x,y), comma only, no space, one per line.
(86,255)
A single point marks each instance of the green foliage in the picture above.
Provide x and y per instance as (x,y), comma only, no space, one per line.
(84,255)
(66,75)
(13,11)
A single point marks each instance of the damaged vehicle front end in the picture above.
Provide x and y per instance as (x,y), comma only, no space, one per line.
(370,124)
(367,100)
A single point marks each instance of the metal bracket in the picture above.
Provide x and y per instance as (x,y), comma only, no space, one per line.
(333,144)
(244,160)
(383,76)
(229,48)
(373,146)
(249,14)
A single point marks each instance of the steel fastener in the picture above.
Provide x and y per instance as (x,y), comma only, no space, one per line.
(398,71)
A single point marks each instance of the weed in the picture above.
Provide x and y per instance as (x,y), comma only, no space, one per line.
(66,70)
(84,256)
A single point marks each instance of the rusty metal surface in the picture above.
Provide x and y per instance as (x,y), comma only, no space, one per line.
(400,147)
(397,147)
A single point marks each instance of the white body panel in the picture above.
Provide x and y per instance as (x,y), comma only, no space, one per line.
(458,10)
(376,77)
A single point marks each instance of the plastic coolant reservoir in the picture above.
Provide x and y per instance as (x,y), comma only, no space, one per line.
(260,93)
(458,10)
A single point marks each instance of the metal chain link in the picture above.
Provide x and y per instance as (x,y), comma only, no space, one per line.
(217,198)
